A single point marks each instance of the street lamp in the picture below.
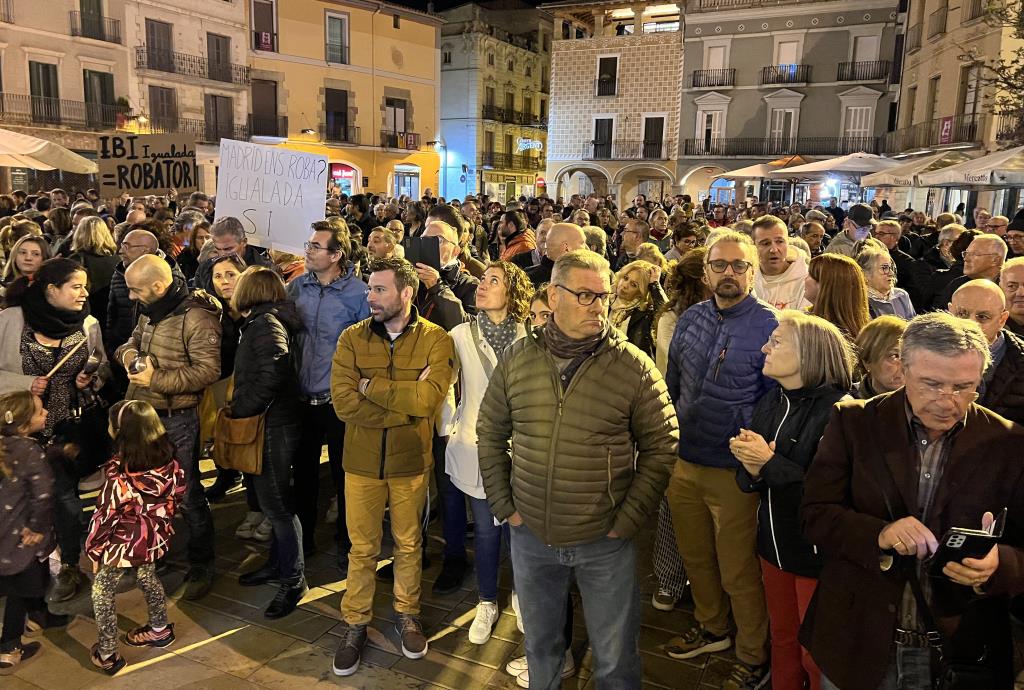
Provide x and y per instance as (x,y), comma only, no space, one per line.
(440,146)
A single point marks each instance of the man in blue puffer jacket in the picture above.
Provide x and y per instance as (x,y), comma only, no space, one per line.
(714,377)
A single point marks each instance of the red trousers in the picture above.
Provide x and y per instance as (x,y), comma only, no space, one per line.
(787,596)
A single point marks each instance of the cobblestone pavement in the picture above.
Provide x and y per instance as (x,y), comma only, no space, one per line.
(223,641)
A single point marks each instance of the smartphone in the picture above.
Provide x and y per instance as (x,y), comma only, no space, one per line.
(423,250)
(959,543)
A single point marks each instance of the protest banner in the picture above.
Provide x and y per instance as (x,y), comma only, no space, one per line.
(143,164)
(274,191)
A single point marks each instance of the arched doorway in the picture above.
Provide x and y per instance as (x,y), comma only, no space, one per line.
(697,180)
(578,179)
(346,177)
(652,180)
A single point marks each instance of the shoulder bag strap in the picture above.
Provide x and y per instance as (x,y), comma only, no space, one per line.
(474,328)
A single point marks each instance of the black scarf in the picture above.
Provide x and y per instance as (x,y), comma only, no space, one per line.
(43,317)
(564,347)
(162,307)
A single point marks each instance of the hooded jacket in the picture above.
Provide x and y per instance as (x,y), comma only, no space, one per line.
(27,498)
(326,311)
(265,364)
(134,517)
(786,290)
(518,248)
(795,421)
(714,375)
(185,348)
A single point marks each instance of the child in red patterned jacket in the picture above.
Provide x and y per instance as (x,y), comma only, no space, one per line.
(132,526)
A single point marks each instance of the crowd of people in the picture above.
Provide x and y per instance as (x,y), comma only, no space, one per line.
(807,399)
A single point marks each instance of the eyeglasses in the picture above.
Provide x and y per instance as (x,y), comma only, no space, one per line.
(962,392)
(311,247)
(739,267)
(974,254)
(586,297)
(889,269)
(689,242)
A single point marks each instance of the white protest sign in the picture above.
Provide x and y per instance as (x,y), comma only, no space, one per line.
(274,191)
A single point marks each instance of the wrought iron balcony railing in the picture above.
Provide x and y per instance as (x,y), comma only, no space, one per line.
(873,70)
(785,74)
(399,140)
(629,149)
(24,109)
(712,77)
(95,26)
(339,133)
(268,126)
(779,146)
(190,65)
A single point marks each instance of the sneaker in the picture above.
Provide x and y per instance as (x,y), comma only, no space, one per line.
(332,511)
(664,600)
(746,677)
(111,665)
(264,531)
(346,659)
(252,520)
(37,622)
(568,670)
(287,598)
(145,636)
(23,653)
(453,574)
(198,582)
(66,584)
(264,575)
(519,618)
(696,641)
(483,623)
(414,642)
(516,666)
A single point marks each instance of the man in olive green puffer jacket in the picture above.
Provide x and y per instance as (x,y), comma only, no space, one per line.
(577,437)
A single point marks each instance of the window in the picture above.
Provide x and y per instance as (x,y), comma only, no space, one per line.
(787,53)
(489,142)
(510,101)
(604,128)
(337,39)
(159,46)
(932,104)
(710,124)
(865,48)
(857,121)
(528,105)
(607,75)
(264,36)
(490,59)
(336,115)
(908,107)
(264,109)
(446,57)
(45,93)
(163,108)
(218,53)
(715,57)
(511,65)
(546,42)
(99,96)
(970,93)
(394,115)
(712,115)
(489,96)
(543,108)
(654,136)
(219,117)
(396,21)
(782,127)
(510,146)
(529,70)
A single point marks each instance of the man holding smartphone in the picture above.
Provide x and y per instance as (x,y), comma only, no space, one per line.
(891,476)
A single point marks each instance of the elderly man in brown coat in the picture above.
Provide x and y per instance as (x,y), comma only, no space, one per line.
(892,474)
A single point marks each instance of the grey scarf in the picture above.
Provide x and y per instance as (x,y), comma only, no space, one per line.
(498,336)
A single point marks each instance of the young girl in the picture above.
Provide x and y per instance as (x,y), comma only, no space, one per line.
(26,523)
(131,527)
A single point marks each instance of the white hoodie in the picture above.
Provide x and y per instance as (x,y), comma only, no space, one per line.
(786,290)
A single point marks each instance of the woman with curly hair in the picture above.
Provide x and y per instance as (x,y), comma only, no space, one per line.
(837,292)
(638,297)
(503,304)
(685,286)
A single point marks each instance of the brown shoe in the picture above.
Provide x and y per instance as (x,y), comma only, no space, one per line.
(414,642)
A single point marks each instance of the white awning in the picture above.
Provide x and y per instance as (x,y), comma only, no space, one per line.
(763,169)
(999,169)
(850,165)
(23,151)
(906,174)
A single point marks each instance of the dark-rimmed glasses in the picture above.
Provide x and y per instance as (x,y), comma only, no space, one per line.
(586,297)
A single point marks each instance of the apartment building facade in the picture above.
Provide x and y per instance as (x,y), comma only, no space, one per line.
(767,80)
(358,82)
(615,99)
(64,77)
(495,89)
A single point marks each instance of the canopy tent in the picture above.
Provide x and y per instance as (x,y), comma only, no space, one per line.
(850,165)
(998,169)
(906,174)
(24,151)
(763,169)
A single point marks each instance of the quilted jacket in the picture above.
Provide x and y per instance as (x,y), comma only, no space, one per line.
(585,460)
(714,376)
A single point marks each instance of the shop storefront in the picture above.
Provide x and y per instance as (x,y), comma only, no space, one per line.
(505,187)
(406,181)
(344,177)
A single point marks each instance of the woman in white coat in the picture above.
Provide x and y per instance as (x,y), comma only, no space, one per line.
(503,305)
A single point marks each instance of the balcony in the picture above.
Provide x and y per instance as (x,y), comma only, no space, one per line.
(268,126)
(513,117)
(6,11)
(335,133)
(713,5)
(95,26)
(545,87)
(704,78)
(399,140)
(190,65)
(973,9)
(962,129)
(628,149)
(336,53)
(937,21)
(757,147)
(874,70)
(606,87)
(23,109)
(785,74)
(264,40)
(510,161)
(914,38)
(1010,127)
(204,132)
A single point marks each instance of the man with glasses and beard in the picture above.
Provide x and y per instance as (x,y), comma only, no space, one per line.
(714,377)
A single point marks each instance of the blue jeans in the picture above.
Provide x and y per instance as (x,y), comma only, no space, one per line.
(909,669)
(273,489)
(453,505)
(183,430)
(606,574)
(486,548)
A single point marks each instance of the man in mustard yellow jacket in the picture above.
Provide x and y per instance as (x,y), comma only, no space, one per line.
(390,374)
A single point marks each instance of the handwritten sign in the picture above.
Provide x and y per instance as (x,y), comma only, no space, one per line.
(146,164)
(274,191)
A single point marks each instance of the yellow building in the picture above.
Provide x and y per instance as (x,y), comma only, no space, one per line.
(358,82)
